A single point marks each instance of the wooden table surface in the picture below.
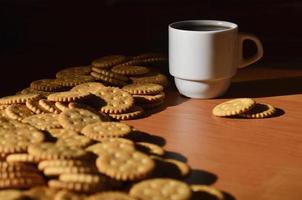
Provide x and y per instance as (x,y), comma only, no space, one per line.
(251,159)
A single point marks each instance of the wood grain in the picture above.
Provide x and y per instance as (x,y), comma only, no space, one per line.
(251,159)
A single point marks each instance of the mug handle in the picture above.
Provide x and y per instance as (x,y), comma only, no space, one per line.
(243,62)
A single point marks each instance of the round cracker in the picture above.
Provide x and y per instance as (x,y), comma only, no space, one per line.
(233,107)
(108,80)
(125,165)
(109,61)
(161,189)
(129,70)
(18,99)
(76,119)
(117,100)
(47,85)
(99,130)
(49,151)
(74,186)
(18,112)
(143,89)
(133,113)
(73,71)
(43,121)
(67,96)
(260,111)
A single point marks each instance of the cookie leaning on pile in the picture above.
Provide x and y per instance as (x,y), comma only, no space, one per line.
(245,108)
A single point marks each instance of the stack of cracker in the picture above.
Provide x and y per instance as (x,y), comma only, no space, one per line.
(118,86)
(59,141)
(244,108)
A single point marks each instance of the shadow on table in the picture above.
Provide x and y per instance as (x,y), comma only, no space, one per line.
(168,166)
(265,88)
(173,98)
(201,177)
(140,136)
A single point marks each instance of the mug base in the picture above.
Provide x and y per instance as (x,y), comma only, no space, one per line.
(202,89)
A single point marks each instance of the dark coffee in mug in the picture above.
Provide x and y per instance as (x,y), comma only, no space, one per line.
(202,27)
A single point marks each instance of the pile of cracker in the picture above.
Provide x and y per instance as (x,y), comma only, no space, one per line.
(63,145)
(117,86)
(244,108)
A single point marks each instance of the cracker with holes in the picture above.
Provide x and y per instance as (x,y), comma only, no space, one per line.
(76,119)
(117,100)
(99,130)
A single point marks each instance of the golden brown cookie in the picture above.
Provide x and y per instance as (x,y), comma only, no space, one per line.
(87,87)
(14,174)
(76,119)
(68,96)
(71,81)
(22,157)
(11,194)
(33,91)
(108,80)
(61,132)
(3,107)
(110,74)
(74,186)
(143,89)
(41,193)
(50,151)
(149,99)
(47,85)
(73,71)
(56,170)
(61,163)
(49,106)
(118,101)
(43,121)
(81,177)
(259,111)
(18,111)
(6,167)
(125,165)
(74,140)
(111,195)
(129,70)
(206,192)
(133,113)
(18,99)
(109,61)
(35,107)
(62,106)
(99,130)
(21,183)
(161,189)
(233,107)
(18,139)
(110,146)
(156,78)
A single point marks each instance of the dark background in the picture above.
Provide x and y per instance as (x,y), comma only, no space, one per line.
(39,37)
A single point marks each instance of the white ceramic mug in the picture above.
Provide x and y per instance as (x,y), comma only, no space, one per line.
(205,54)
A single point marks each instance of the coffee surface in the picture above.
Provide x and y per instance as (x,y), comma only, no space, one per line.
(202,27)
